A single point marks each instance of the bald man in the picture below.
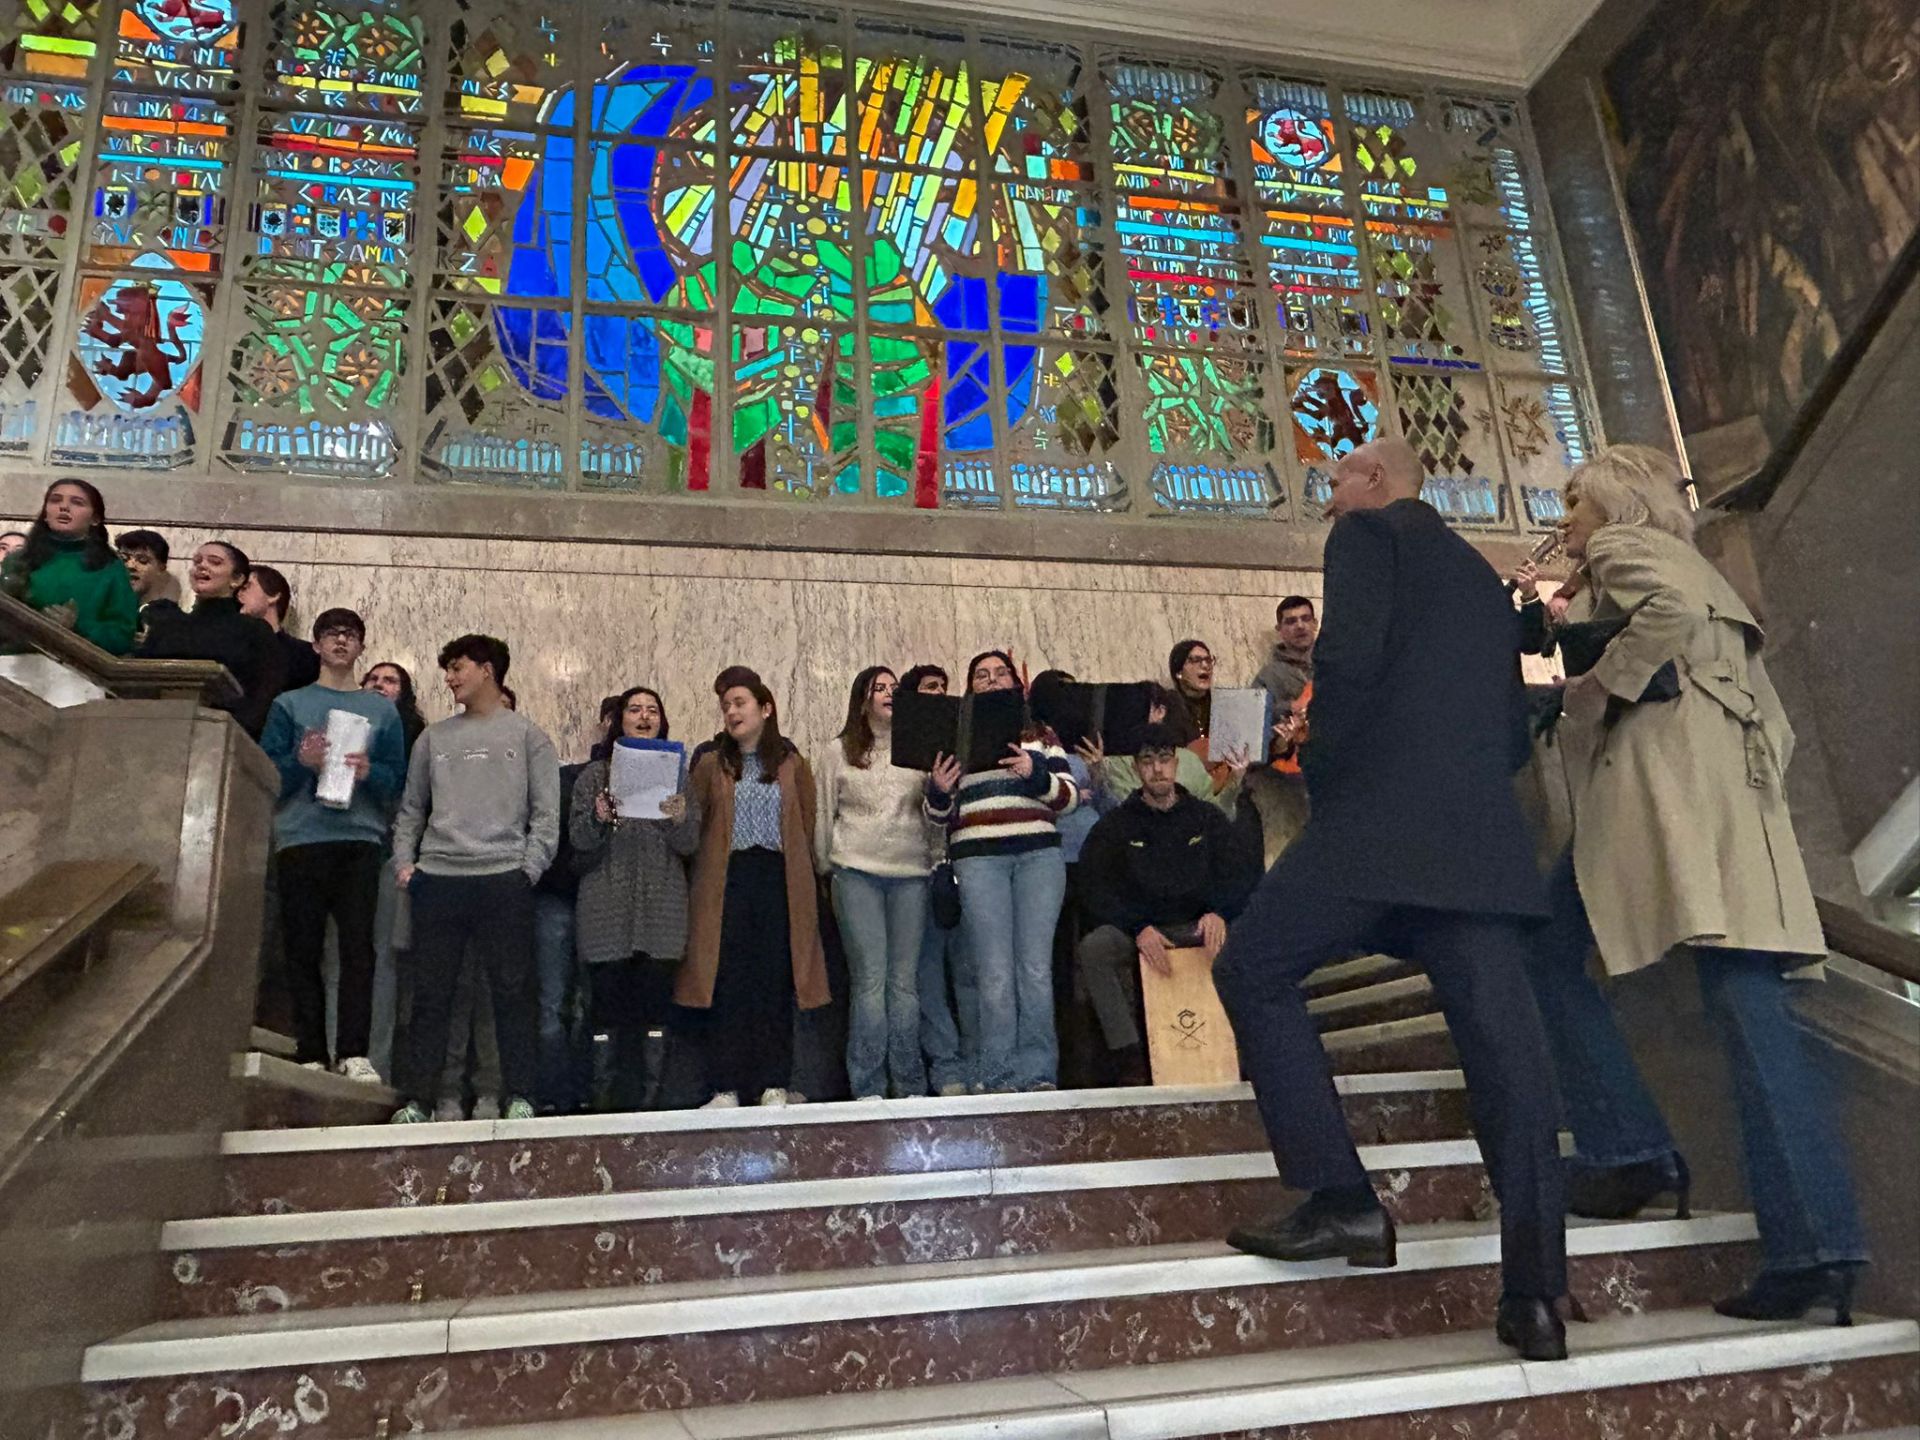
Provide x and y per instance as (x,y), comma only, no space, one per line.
(1415,846)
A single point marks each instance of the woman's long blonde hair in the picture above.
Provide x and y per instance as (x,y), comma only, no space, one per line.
(1636,485)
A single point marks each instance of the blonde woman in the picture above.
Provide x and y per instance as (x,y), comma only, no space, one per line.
(1683,847)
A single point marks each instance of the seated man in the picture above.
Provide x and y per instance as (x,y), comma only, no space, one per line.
(1163,871)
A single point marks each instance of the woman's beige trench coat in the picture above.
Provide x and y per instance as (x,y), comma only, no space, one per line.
(1681,833)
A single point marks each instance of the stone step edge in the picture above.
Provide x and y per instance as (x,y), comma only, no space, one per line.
(1342,971)
(1185,1399)
(1404,988)
(282,1073)
(350,1334)
(225,1232)
(1382,1032)
(842,1112)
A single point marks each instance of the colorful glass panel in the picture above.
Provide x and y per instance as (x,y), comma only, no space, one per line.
(181,45)
(1307,231)
(1064,445)
(1410,236)
(40,150)
(898,287)
(504,61)
(52,40)
(1177,212)
(28,308)
(1335,409)
(311,377)
(360,58)
(496,388)
(134,378)
(334,196)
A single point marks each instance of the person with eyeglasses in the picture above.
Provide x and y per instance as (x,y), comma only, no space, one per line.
(328,858)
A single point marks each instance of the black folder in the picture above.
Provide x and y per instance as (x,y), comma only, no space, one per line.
(1077,712)
(926,726)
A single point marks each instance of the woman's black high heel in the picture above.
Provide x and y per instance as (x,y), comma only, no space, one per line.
(1620,1192)
(1790,1294)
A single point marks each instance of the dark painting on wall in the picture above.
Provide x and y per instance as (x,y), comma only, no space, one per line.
(1772,171)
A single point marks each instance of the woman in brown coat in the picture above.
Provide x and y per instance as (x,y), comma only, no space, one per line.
(753,932)
(1682,846)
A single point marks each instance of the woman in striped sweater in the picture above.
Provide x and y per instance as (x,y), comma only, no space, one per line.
(1006,852)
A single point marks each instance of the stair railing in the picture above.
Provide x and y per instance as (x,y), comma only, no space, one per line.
(22,628)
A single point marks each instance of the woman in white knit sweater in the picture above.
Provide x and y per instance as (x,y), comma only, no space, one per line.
(872,837)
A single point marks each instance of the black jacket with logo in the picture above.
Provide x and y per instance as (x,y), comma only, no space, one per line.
(1142,866)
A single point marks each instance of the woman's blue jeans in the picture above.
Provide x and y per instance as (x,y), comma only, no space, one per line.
(1009,905)
(949,1025)
(882,922)
(1796,1161)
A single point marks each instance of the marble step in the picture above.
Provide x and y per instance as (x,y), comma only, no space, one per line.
(253,1264)
(1674,1374)
(1415,1042)
(1348,974)
(1397,999)
(360,1167)
(459,1363)
(277,1094)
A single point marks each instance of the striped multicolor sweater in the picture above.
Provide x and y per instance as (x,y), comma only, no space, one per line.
(1001,814)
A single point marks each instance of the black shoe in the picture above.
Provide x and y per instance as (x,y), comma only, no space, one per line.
(1316,1231)
(1533,1327)
(1790,1294)
(1620,1192)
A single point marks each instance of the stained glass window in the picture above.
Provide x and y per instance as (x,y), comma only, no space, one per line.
(751,247)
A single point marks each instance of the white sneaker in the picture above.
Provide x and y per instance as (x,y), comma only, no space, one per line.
(449,1110)
(725,1100)
(486,1107)
(409,1114)
(774,1096)
(518,1109)
(358,1067)
(954,1088)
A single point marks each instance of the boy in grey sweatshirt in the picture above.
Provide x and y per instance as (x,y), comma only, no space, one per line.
(478,825)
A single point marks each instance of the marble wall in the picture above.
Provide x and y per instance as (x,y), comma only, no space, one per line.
(586,620)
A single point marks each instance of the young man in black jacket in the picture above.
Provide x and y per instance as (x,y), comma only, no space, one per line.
(1162,872)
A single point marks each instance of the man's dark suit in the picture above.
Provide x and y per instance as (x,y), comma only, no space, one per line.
(1415,846)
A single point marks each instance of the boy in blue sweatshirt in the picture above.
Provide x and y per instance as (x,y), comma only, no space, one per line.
(329,859)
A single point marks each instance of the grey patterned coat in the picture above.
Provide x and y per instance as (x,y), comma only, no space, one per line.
(633,878)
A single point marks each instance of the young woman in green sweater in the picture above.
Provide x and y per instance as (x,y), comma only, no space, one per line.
(68,571)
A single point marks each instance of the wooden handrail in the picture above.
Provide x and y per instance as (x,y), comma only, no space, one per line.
(204,680)
(1860,937)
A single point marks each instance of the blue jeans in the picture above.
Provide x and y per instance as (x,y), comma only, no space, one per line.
(553,968)
(949,1028)
(882,922)
(1796,1162)
(1009,905)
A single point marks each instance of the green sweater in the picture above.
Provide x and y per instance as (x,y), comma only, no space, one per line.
(106,611)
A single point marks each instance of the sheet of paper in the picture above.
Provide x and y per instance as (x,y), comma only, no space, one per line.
(1242,720)
(643,774)
(347,734)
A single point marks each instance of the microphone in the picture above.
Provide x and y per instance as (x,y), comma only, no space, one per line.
(1542,552)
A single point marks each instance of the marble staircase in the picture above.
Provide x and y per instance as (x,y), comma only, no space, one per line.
(1031,1267)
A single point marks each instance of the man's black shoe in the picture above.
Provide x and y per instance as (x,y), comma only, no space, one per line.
(1533,1327)
(1317,1232)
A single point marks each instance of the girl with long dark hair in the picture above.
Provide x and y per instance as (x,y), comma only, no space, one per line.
(69,572)
(631,913)
(393,681)
(753,932)
(871,836)
(1006,853)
